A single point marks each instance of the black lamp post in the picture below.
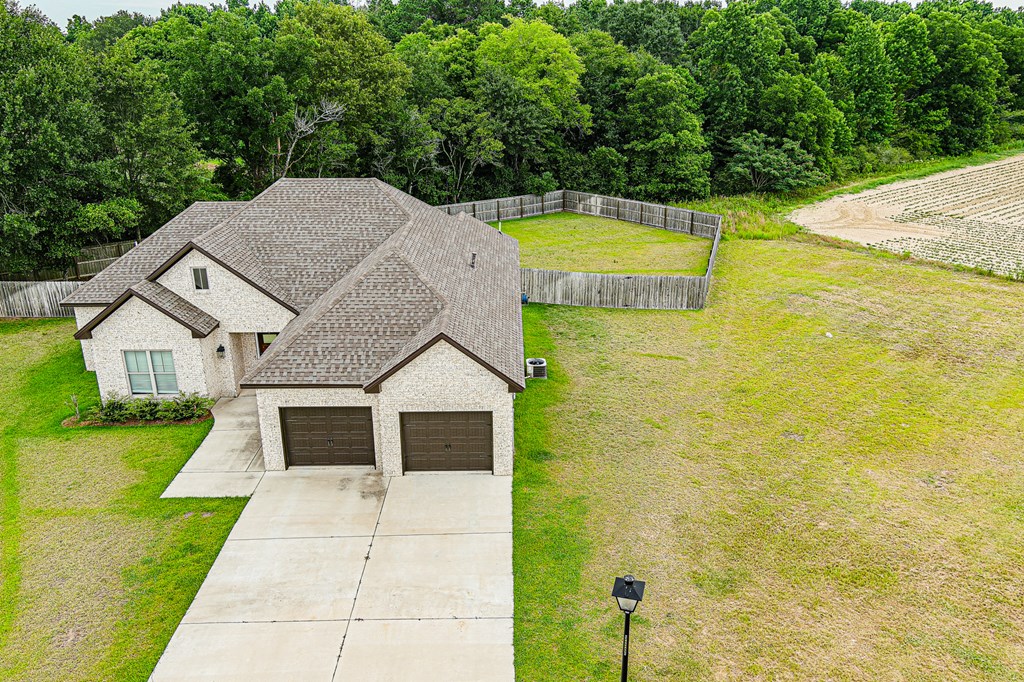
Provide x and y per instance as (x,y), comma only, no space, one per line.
(629,592)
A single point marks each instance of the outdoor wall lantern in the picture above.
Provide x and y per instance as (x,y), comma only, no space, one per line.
(220,351)
(629,592)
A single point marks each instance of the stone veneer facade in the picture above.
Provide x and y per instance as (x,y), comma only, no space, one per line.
(440,379)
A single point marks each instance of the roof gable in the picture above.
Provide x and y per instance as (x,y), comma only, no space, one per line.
(162,299)
(150,253)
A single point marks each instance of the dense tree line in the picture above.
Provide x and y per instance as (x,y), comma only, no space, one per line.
(109,127)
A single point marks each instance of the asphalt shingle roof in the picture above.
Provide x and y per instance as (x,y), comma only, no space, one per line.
(151,253)
(374,274)
(159,296)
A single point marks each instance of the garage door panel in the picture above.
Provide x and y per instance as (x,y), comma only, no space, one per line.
(323,436)
(447,441)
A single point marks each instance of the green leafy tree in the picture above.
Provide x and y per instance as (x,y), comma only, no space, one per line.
(646,24)
(668,155)
(343,60)
(761,164)
(405,153)
(147,137)
(528,78)
(737,57)
(105,31)
(610,73)
(223,71)
(466,140)
(966,86)
(866,65)
(919,121)
(56,189)
(795,108)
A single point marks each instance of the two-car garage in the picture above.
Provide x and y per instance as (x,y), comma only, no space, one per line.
(430,441)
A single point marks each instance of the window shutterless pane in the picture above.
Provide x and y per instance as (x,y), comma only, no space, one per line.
(163,361)
(135,361)
(166,383)
(139,383)
(201,279)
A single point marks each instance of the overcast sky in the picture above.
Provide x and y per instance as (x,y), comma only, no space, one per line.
(61,10)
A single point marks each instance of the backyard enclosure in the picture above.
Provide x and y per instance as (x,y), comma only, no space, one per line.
(662,292)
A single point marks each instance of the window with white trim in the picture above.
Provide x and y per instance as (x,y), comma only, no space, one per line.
(200,278)
(151,372)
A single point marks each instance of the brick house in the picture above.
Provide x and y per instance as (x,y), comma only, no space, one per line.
(373,328)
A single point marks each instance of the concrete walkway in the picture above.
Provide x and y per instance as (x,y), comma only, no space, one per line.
(229,462)
(342,574)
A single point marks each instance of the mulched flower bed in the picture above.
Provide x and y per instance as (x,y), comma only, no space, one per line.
(76,422)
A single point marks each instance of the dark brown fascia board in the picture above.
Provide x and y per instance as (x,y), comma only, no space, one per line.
(257,386)
(374,386)
(82,305)
(191,246)
(86,331)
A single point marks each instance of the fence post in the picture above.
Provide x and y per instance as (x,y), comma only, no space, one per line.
(665,223)
(522,211)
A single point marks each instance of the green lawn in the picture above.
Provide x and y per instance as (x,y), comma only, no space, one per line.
(96,569)
(568,241)
(802,506)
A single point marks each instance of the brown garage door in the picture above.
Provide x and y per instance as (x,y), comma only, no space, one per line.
(447,441)
(315,436)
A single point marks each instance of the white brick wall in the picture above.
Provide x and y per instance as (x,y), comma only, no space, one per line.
(238,305)
(83,316)
(440,379)
(443,379)
(138,326)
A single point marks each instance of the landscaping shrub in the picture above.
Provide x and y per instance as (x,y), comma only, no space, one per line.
(185,406)
(144,409)
(114,409)
(117,409)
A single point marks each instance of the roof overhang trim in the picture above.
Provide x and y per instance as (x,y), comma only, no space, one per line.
(86,332)
(374,385)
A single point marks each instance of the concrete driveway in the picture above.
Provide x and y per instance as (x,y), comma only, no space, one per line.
(342,574)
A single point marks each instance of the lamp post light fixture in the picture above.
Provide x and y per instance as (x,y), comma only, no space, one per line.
(629,592)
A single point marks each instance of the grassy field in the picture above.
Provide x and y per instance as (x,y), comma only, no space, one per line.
(96,570)
(567,241)
(820,476)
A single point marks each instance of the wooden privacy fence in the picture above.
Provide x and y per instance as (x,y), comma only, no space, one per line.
(654,292)
(89,262)
(510,208)
(35,299)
